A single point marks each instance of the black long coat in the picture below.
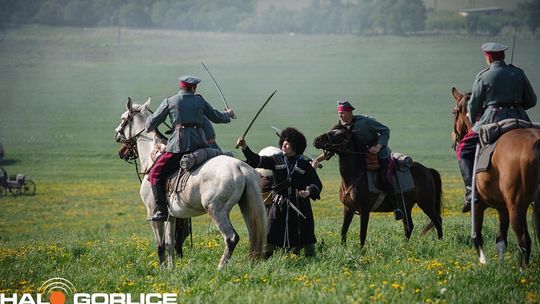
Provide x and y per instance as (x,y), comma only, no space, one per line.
(287,228)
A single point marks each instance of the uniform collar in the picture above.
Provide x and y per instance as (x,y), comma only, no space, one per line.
(498,63)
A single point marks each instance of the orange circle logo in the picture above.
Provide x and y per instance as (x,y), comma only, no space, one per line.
(57,297)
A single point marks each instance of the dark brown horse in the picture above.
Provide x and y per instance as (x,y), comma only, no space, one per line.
(510,184)
(357,199)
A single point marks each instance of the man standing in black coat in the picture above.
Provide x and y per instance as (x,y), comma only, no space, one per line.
(290,218)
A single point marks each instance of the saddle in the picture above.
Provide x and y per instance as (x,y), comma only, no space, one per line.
(190,162)
(490,134)
(402,178)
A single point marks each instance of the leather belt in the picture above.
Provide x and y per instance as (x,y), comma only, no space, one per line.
(188,125)
(501,106)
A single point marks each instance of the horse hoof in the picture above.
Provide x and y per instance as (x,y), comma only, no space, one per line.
(482,258)
(501,248)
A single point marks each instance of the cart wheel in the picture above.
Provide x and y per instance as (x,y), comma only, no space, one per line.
(29,188)
(3,191)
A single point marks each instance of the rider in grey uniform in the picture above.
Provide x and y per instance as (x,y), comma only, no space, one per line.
(499,92)
(186,111)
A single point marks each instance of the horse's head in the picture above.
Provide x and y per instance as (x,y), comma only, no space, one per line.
(462,124)
(132,122)
(335,140)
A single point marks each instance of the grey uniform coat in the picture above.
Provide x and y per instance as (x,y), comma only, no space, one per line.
(185,108)
(368,132)
(499,92)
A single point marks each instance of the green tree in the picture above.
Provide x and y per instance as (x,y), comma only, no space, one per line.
(80,13)
(50,13)
(531,12)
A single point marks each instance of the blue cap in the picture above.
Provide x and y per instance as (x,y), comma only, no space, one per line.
(192,80)
(493,47)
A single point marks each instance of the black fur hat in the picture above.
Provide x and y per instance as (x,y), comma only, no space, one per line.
(295,138)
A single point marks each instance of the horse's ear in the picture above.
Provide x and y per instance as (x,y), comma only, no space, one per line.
(147,103)
(129,103)
(457,95)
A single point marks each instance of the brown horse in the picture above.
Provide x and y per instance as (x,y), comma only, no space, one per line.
(509,185)
(355,195)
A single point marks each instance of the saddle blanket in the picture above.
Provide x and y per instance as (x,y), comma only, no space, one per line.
(490,134)
(402,181)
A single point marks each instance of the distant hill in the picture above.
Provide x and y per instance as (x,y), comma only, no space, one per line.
(430,4)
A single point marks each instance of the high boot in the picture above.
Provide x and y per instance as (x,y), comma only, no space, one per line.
(389,188)
(466,168)
(162,212)
(398,213)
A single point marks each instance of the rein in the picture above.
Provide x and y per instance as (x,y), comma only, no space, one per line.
(459,111)
(330,148)
(130,143)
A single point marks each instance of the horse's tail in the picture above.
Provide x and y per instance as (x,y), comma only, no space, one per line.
(536,206)
(438,199)
(254,213)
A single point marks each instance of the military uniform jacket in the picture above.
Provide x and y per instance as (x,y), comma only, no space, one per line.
(286,228)
(368,132)
(185,108)
(499,92)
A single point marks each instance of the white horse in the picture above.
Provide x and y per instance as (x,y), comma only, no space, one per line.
(213,188)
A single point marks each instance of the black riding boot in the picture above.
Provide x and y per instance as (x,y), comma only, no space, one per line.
(162,212)
(398,213)
(389,188)
(466,167)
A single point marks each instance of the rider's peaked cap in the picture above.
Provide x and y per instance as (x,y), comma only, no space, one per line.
(192,80)
(295,138)
(493,47)
(343,105)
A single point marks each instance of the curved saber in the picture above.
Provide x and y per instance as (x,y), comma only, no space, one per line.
(257,115)
(217,86)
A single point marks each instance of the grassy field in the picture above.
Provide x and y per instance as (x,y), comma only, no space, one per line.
(62,91)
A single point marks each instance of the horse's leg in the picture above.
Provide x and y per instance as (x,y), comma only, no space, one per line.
(347,218)
(231,238)
(170,238)
(408,224)
(182,231)
(477,238)
(147,197)
(502,238)
(518,220)
(159,236)
(364,220)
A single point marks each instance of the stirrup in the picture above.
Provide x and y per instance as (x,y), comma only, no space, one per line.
(160,217)
(398,214)
(466,208)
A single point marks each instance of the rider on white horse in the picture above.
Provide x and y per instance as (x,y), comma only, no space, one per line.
(185,110)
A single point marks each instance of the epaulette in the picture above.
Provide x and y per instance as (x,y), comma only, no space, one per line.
(482,72)
(515,67)
(363,116)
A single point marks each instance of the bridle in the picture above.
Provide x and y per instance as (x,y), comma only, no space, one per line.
(131,153)
(459,111)
(331,147)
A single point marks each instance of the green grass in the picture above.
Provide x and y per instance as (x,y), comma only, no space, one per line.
(63,91)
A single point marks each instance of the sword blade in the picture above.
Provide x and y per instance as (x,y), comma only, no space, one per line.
(293,207)
(258,112)
(217,86)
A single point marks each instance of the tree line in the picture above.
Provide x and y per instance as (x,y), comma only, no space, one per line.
(397,17)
